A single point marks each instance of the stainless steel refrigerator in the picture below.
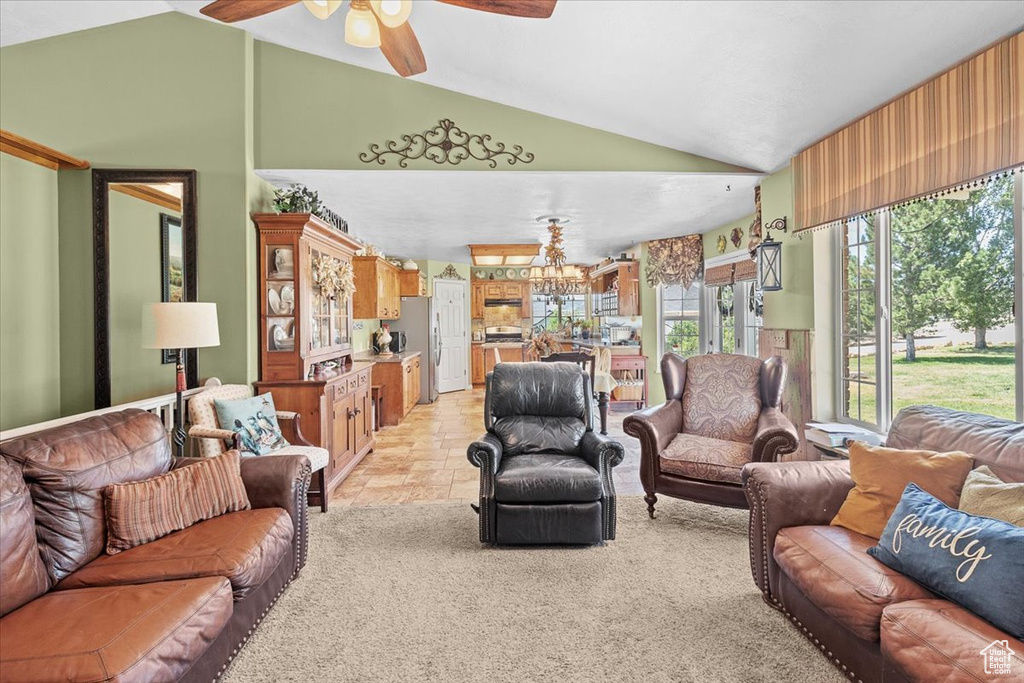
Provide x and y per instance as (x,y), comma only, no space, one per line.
(422,330)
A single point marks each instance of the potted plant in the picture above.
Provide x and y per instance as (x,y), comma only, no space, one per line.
(585,326)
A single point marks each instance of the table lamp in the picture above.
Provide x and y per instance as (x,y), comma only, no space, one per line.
(179,326)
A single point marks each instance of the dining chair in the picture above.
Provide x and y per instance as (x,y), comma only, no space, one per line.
(588,362)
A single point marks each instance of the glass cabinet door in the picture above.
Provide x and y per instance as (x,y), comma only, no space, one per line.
(329,315)
(280,296)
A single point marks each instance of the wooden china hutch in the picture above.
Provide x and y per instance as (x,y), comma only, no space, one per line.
(306,338)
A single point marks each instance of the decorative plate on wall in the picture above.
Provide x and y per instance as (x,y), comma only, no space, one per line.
(510,273)
(524,272)
(736,236)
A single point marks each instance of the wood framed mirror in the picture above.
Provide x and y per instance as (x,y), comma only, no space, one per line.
(144,251)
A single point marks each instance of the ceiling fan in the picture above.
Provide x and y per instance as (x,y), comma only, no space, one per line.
(377,23)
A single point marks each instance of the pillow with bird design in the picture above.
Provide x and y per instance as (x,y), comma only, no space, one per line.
(254,421)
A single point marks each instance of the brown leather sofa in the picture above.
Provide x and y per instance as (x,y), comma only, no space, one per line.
(178,608)
(721,411)
(869,620)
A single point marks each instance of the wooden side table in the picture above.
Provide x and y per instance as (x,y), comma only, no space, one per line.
(831,452)
(635,366)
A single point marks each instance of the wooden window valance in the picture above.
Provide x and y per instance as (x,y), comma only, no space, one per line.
(719,276)
(745,270)
(675,261)
(730,273)
(961,125)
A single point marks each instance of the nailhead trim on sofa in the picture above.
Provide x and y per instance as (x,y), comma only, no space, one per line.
(757,509)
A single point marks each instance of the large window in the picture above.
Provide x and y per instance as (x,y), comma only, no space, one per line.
(551,313)
(736,317)
(927,296)
(680,319)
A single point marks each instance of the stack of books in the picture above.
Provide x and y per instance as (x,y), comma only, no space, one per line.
(839,435)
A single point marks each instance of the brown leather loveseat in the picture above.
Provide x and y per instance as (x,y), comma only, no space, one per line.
(178,608)
(872,622)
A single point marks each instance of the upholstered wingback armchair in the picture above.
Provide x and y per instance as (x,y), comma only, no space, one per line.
(213,440)
(545,474)
(721,412)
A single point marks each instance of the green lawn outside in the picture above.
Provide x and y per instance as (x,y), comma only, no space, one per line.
(959,377)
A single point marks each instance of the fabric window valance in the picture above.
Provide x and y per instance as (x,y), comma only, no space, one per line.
(675,261)
(961,125)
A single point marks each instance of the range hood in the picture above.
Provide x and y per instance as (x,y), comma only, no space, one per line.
(502,302)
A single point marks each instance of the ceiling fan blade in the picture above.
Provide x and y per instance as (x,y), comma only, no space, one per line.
(402,49)
(534,9)
(230,11)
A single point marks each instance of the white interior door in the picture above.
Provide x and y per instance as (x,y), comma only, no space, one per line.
(451,309)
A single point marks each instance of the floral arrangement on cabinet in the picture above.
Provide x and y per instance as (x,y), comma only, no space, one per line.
(333,277)
(300,199)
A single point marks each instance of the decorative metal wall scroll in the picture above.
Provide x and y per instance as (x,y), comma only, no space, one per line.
(446,143)
(449,273)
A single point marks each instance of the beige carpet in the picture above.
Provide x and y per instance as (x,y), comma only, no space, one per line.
(407,593)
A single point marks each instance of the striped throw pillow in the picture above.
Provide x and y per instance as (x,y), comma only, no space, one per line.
(142,511)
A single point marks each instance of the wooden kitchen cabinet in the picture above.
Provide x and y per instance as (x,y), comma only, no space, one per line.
(526,291)
(412,283)
(378,289)
(400,376)
(483,290)
(479,373)
(410,384)
(615,289)
(477,300)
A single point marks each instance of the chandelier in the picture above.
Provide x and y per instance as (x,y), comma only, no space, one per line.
(556,279)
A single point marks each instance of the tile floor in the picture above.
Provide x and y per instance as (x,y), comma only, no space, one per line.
(423,460)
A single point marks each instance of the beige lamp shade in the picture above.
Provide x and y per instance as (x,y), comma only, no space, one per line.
(180,325)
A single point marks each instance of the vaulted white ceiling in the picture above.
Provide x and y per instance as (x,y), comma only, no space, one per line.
(750,83)
(435,214)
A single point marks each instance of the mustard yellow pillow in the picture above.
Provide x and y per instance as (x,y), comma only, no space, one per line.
(880,474)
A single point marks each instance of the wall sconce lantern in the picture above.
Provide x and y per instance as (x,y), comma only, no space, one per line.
(769,258)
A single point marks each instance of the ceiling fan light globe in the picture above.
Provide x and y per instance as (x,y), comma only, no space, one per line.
(392,13)
(361,28)
(321,9)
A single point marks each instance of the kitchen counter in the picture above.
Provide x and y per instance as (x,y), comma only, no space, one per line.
(616,349)
(393,358)
(501,345)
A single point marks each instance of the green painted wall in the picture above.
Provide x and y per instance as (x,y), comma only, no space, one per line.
(649,333)
(132,95)
(313,112)
(711,237)
(135,372)
(793,307)
(144,94)
(29,294)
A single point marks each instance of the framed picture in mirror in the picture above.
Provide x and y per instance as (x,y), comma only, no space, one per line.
(172,267)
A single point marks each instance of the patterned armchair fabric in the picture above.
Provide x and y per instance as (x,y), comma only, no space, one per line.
(202,415)
(213,440)
(722,397)
(723,411)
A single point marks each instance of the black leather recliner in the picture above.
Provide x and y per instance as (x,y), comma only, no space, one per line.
(545,474)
